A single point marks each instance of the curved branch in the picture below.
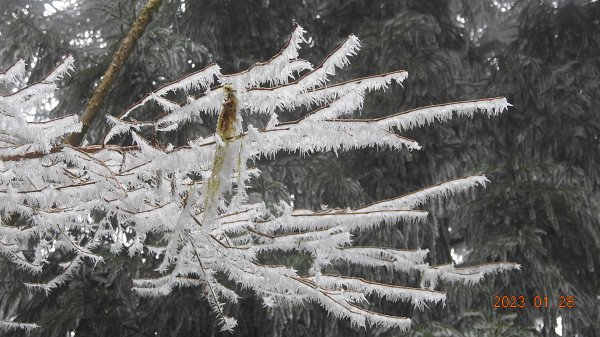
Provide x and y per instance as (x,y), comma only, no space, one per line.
(95,103)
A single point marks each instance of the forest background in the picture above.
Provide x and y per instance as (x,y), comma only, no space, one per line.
(542,156)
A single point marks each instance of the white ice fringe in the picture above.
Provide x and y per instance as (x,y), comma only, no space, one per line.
(423,116)
(414,199)
(417,296)
(278,70)
(346,220)
(467,275)
(14,74)
(61,70)
(20,136)
(7,327)
(202,79)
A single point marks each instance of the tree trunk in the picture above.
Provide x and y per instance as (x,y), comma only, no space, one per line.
(95,103)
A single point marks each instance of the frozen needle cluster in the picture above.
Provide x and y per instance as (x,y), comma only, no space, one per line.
(188,206)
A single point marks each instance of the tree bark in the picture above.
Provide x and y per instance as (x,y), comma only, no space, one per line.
(93,106)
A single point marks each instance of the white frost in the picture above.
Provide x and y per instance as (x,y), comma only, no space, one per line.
(206,235)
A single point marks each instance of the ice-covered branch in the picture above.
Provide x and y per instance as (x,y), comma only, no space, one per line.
(200,80)
(19,136)
(278,70)
(9,327)
(417,296)
(426,115)
(347,220)
(14,74)
(467,275)
(188,206)
(419,197)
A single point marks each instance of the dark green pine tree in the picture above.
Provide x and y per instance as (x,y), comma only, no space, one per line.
(541,208)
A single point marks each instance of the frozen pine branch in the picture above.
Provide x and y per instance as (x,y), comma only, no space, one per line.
(14,74)
(81,200)
(9,327)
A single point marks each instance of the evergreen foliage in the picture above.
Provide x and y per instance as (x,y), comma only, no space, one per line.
(545,163)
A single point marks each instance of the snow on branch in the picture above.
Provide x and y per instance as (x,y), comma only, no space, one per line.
(426,115)
(8,327)
(417,296)
(19,136)
(201,79)
(338,59)
(308,137)
(188,206)
(61,70)
(14,74)
(419,197)
(381,257)
(467,275)
(347,220)
(278,70)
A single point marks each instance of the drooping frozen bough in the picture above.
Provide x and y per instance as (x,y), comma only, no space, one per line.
(194,197)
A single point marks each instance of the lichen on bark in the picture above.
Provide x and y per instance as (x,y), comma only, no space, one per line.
(226,130)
